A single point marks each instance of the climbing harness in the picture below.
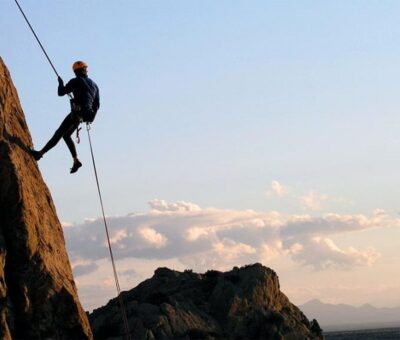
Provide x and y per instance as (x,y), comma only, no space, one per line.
(121,302)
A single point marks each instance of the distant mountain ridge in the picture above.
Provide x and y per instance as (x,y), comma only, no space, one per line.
(330,316)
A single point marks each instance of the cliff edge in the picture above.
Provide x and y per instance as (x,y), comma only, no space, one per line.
(38,296)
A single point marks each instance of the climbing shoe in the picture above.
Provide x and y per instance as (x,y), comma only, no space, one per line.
(75,167)
(36,154)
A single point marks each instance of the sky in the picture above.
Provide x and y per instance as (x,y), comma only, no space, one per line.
(229,133)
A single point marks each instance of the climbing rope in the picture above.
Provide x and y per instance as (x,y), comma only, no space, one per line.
(37,39)
(121,302)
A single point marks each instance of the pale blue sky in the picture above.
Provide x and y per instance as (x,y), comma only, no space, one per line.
(211,101)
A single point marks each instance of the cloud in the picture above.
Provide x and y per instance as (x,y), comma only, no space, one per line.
(231,250)
(129,274)
(312,200)
(323,253)
(278,189)
(152,237)
(207,238)
(118,236)
(309,200)
(163,206)
(83,269)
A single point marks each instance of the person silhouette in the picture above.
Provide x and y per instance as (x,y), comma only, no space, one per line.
(84,106)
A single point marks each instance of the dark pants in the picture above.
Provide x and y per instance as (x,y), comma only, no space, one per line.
(66,129)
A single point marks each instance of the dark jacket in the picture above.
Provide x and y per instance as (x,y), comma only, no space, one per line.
(85,91)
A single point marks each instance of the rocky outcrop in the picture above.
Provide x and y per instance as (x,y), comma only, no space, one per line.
(38,296)
(244,303)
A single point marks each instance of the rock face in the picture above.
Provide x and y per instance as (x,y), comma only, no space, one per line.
(38,296)
(244,303)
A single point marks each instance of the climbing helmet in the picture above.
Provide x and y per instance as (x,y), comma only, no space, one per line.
(78,65)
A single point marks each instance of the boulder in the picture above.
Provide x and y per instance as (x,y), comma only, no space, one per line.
(244,303)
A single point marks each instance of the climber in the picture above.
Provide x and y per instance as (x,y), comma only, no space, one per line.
(84,106)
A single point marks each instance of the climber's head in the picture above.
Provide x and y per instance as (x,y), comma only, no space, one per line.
(79,68)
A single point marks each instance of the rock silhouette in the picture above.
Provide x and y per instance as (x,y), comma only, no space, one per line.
(38,296)
(244,303)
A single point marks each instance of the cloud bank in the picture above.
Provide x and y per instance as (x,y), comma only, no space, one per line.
(204,238)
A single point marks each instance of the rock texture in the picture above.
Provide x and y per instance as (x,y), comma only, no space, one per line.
(244,303)
(38,296)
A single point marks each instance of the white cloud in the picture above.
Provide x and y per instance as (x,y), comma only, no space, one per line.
(323,253)
(278,189)
(231,250)
(221,255)
(312,200)
(163,206)
(193,234)
(268,252)
(152,237)
(118,236)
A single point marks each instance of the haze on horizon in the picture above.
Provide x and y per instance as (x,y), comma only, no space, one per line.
(228,133)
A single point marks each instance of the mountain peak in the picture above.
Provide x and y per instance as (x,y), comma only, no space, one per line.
(313,302)
(242,303)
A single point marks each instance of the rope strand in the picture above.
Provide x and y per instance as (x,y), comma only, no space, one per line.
(37,39)
(121,302)
(39,42)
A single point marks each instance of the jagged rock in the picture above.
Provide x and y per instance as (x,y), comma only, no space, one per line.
(244,303)
(38,296)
